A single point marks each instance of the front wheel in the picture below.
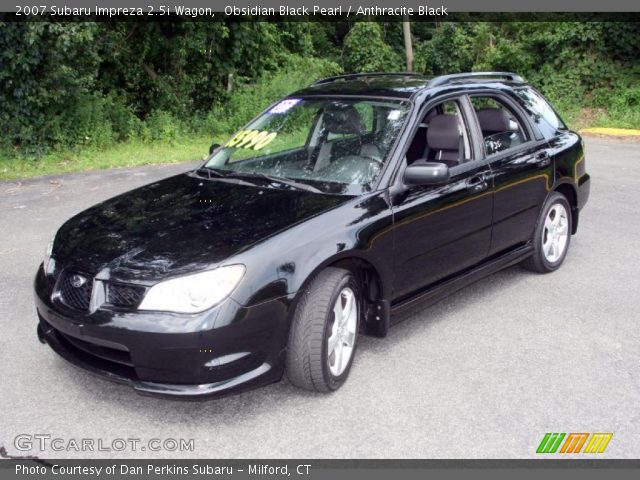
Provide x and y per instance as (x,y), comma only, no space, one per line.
(324,332)
(552,235)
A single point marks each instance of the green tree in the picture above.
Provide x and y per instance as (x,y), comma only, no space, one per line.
(366,51)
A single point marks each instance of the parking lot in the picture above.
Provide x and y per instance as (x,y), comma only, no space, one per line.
(483,374)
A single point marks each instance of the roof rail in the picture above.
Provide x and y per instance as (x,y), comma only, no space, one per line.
(370,74)
(444,79)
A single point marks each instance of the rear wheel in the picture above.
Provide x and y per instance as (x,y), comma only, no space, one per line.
(324,332)
(552,235)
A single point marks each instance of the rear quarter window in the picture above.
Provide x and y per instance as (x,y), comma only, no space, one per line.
(545,118)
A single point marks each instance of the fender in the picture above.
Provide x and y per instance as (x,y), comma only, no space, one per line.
(367,222)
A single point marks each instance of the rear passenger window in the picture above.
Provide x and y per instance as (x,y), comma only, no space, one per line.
(501,129)
(543,115)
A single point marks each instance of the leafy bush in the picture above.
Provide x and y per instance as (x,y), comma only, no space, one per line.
(579,66)
(623,110)
(366,51)
(47,73)
(251,98)
(162,125)
(448,51)
(79,85)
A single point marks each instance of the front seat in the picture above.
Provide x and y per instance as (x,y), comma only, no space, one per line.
(342,119)
(444,140)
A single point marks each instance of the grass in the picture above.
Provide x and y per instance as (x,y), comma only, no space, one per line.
(579,118)
(129,154)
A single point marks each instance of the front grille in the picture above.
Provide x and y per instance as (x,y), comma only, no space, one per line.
(128,296)
(78,295)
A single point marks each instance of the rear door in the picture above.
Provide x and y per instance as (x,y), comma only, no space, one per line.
(521,169)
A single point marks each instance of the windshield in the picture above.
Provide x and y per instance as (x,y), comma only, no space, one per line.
(335,145)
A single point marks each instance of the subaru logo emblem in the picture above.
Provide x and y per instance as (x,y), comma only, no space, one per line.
(77,281)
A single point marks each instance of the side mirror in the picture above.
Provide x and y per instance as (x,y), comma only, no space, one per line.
(426,173)
(213,147)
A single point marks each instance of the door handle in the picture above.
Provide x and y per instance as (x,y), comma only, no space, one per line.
(542,159)
(477,183)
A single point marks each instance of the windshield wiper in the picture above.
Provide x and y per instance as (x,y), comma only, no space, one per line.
(281,180)
(209,171)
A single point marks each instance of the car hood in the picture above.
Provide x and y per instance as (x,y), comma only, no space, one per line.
(181,224)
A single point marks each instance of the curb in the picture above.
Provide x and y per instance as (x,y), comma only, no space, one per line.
(627,133)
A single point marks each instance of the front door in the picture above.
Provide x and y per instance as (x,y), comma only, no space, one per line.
(442,230)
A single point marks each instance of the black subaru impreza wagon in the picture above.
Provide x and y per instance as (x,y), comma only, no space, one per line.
(336,208)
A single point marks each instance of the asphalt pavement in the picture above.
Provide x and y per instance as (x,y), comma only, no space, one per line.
(484,373)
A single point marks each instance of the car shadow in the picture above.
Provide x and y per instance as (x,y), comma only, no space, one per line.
(414,319)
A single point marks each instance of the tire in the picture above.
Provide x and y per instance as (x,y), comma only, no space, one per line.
(309,363)
(547,258)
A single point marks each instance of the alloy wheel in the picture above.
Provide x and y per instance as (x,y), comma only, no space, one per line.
(343,331)
(555,233)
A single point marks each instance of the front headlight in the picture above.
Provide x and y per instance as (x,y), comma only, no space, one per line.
(193,293)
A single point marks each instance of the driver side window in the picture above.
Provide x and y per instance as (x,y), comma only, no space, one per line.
(500,128)
(442,136)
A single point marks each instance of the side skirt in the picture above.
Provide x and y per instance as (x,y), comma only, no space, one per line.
(442,290)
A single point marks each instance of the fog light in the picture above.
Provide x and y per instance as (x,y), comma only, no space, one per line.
(225,359)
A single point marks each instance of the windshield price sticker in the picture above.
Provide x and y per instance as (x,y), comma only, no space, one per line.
(285,105)
(394,115)
(254,139)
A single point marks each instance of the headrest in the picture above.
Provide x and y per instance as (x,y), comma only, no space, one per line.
(444,133)
(493,120)
(427,118)
(342,118)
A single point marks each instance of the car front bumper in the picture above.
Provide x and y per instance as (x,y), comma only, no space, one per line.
(224,350)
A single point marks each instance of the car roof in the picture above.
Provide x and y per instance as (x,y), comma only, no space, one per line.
(403,85)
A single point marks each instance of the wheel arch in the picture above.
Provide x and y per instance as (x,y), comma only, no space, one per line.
(376,291)
(568,190)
